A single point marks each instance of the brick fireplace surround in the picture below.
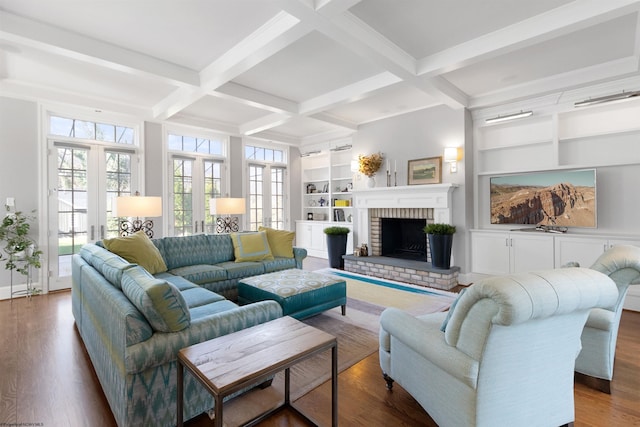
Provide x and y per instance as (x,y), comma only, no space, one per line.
(432,203)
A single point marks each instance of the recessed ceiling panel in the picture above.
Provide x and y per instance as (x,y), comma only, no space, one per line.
(188,33)
(310,67)
(35,68)
(390,101)
(422,28)
(220,109)
(567,53)
(304,126)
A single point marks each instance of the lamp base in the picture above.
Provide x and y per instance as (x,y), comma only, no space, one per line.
(227,224)
(127,228)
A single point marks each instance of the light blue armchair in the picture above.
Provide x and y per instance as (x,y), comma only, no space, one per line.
(507,353)
(594,364)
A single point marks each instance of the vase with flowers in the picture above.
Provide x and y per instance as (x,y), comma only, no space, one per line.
(369,165)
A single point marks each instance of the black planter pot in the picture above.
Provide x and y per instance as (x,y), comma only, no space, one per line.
(336,247)
(440,247)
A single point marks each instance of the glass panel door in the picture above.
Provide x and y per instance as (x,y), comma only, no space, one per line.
(267,197)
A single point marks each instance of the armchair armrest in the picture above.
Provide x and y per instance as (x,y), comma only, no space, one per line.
(429,343)
(163,347)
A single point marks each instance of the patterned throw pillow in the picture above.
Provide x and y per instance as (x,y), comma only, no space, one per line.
(251,247)
(160,302)
(280,241)
(138,249)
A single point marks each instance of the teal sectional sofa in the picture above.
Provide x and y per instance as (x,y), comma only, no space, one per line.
(133,323)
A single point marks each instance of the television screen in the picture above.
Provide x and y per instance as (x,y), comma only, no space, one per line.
(564,198)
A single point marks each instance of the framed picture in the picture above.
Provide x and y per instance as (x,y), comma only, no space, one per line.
(425,171)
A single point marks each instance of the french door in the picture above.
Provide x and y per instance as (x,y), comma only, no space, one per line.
(267,196)
(195,181)
(84,180)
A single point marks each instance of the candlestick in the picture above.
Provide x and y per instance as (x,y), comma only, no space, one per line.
(395,179)
(395,166)
(388,170)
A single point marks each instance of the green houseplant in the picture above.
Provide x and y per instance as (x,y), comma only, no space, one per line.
(336,245)
(20,251)
(440,237)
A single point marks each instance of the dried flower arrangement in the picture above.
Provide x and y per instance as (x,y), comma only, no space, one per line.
(369,165)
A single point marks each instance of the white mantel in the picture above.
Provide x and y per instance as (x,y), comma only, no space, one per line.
(436,196)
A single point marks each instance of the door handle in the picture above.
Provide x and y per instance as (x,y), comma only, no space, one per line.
(93,232)
(102,231)
(196,227)
(202,225)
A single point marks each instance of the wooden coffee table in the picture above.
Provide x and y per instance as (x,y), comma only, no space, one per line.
(251,356)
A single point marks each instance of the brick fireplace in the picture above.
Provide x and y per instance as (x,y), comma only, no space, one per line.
(432,203)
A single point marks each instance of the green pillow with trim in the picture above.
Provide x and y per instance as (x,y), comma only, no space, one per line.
(252,246)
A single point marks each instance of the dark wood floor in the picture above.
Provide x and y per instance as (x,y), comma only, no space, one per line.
(46,377)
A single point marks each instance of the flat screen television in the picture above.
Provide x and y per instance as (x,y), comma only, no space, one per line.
(563,198)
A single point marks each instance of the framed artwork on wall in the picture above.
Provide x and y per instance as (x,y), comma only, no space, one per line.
(425,171)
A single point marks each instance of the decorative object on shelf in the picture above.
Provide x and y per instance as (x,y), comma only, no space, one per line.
(336,245)
(369,165)
(223,208)
(440,237)
(425,171)
(322,201)
(139,207)
(361,250)
(311,188)
(310,216)
(371,182)
(22,253)
(338,215)
(350,186)
(325,188)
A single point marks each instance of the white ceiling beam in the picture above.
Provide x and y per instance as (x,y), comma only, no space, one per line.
(263,123)
(207,123)
(74,46)
(271,136)
(255,98)
(328,118)
(556,22)
(615,69)
(273,36)
(350,93)
(334,7)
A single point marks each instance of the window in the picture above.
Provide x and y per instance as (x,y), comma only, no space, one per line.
(82,129)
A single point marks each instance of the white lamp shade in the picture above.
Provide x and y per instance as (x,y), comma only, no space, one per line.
(451,154)
(227,206)
(138,206)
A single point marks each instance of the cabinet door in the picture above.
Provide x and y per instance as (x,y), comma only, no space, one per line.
(530,253)
(582,250)
(490,253)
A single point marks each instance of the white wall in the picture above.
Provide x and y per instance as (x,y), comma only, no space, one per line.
(19,165)
(417,135)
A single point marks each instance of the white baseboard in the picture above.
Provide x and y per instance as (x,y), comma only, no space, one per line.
(19,291)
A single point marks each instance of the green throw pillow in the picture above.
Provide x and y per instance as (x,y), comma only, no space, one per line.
(280,241)
(251,247)
(160,302)
(138,249)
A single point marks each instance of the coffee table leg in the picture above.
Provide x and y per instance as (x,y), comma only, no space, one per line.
(180,385)
(334,385)
(287,377)
(217,422)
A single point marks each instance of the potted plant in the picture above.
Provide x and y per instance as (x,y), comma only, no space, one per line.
(20,250)
(440,242)
(336,245)
(369,165)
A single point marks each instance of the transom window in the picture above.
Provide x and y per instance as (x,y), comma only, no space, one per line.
(83,129)
(252,152)
(192,144)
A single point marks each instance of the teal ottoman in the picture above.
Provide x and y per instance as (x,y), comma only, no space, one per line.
(300,293)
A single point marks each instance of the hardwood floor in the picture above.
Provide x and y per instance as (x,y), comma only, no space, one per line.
(46,377)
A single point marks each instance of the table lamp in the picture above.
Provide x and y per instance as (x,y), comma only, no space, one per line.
(223,208)
(139,207)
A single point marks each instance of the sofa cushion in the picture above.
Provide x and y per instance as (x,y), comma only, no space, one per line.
(179,282)
(159,301)
(279,264)
(201,273)
(138,249)
(110,265)
(280,241)
(251,246)
(198,296)
(239,270)
(213,308)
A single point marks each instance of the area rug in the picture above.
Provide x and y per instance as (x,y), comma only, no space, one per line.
(356,332)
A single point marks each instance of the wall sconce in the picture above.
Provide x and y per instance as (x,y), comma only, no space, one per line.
(223,208)
(139,207)
(451,156)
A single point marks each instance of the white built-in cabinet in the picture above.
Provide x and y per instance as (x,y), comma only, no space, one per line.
(499,253)
(327,198)
(558,136)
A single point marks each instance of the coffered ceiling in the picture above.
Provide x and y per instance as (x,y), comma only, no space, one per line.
(301,71)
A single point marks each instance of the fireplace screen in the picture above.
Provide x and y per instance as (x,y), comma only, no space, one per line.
(404,238)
